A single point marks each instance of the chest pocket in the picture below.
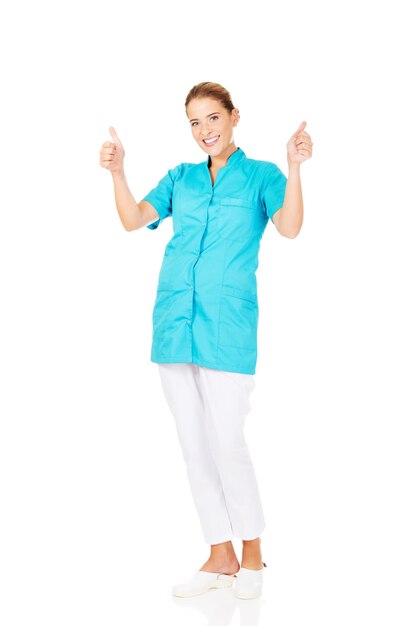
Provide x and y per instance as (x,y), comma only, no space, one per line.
(238,220)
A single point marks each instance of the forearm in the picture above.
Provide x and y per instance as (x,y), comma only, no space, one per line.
(291,212)
(126,204)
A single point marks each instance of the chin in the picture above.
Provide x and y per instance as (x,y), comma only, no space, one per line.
(216,152)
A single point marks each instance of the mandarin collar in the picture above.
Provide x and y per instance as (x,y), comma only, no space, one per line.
(236,156)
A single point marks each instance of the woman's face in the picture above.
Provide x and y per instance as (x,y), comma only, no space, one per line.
(210,120)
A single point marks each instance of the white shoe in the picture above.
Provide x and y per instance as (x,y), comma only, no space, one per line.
(201,582)
(249,583)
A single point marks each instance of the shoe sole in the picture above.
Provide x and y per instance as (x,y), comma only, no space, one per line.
(218,584)
(241,597)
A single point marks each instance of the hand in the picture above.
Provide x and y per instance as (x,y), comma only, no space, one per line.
(112,154)
(299,146)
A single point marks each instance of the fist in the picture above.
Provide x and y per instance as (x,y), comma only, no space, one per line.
(299,146)
(112,153)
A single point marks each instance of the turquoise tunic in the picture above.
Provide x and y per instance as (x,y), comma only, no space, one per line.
(206,305)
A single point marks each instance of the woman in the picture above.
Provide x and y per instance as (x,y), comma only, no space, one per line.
(205,317)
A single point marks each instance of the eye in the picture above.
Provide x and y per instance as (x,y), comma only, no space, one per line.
(214,117)
(192,123)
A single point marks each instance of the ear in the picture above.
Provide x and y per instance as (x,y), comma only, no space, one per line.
(236,116)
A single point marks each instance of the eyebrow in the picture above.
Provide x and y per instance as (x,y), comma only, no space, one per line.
(196,120)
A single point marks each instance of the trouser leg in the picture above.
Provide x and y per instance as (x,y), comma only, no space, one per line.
(226,400)
(182,393)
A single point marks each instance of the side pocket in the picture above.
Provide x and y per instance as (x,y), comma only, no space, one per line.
(238,327)
(163,303)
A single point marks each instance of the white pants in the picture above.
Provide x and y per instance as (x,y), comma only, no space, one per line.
(210,407)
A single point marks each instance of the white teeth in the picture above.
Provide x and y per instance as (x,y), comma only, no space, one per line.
(211,141)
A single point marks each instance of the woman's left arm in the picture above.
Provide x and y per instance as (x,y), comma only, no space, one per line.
(289,219)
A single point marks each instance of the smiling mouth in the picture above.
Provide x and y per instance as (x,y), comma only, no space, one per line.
(211,141)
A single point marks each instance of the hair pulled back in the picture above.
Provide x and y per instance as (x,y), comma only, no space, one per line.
(210,90)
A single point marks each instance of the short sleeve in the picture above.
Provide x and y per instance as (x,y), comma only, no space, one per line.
(273,189)
(161,196)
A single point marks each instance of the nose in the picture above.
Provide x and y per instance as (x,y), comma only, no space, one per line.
(205,133)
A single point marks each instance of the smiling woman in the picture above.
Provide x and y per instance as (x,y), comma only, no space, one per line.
(212,125)
(205,321)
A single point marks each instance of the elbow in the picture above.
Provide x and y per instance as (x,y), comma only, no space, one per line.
(129,227)
(289,234)
(132,225)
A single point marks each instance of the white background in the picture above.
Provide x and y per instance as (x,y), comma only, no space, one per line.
(97,520)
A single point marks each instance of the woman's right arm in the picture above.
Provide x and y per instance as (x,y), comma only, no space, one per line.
(132,215)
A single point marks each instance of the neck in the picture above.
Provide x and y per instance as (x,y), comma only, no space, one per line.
(220,160)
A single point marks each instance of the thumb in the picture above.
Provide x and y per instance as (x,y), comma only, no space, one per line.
(114,135)
(300,128)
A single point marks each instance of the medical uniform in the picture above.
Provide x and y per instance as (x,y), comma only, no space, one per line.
(205,321)
(206,306)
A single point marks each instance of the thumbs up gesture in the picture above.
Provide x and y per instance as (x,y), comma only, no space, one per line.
(299,146)
(112,153)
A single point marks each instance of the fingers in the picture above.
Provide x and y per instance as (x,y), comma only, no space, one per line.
(108,146)
(303,139)
(112,153)
(306,136)
(108,150)
(107,153)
